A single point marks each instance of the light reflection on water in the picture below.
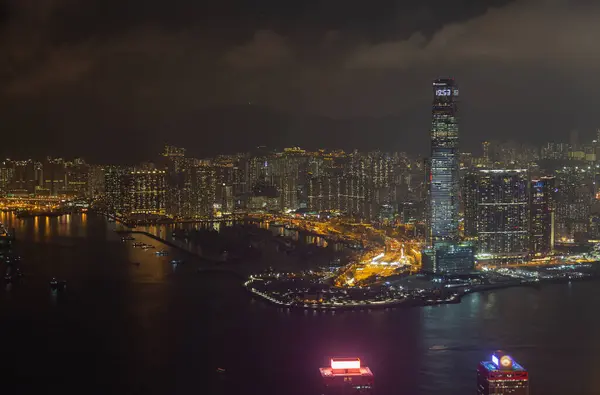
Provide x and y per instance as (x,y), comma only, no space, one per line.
(165,231)
(161,329)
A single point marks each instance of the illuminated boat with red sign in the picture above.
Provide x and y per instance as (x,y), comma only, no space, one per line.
(347,376)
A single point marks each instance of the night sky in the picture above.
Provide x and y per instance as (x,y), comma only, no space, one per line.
(113,80)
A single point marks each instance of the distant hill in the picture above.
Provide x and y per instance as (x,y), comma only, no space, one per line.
(241,128)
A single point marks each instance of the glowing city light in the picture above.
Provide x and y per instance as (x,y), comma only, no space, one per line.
(345,363)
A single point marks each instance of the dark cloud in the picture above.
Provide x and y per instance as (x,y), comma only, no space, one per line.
(148,68)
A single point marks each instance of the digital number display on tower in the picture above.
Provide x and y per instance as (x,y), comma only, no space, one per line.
(443,92)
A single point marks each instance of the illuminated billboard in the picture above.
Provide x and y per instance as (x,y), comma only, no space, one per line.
(345,363)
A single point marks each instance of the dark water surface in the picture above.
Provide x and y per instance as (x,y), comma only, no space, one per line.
(152,329)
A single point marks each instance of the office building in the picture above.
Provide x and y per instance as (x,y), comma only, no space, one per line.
(502,216)
(443,165)
(449,258)
(541,211)
(502,375)
(444,255)
(346,376)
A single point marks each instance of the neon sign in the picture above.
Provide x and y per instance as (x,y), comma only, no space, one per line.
(495,360)
(345,363)
(506,361)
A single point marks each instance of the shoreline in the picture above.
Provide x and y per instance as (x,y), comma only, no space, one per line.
(455,298)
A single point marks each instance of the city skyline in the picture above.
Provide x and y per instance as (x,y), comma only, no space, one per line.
(314,197)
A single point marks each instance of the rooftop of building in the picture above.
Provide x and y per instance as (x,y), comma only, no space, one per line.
(491,367)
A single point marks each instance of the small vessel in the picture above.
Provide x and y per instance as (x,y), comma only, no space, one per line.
(220,370)
(147,246)
(19,273)
(438,348)
(125,238)
(56,285)
(162,253)
(138,244)
(8,279)
(177,261)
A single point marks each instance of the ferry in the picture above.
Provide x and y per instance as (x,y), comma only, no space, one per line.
(438,348)
(56,285)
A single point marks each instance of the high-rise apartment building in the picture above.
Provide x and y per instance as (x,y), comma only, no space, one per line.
(573,202)
(541,210)
(203,190)
(77,174)
(503,215)
(469,203)
(146,191)
(115,189)
(54,171)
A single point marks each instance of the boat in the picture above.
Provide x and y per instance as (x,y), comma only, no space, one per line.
(56,285)
(177,261)
(220,370)
(8,279)
(138,244)
(438,348)
(125,238)
(162,253)
(147,246)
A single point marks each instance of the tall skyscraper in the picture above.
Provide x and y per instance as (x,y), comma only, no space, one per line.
(444,254)
(116,192)
(541,223)
(443,165)
(573,202)
(503,215)
(469,203)
(502,375)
